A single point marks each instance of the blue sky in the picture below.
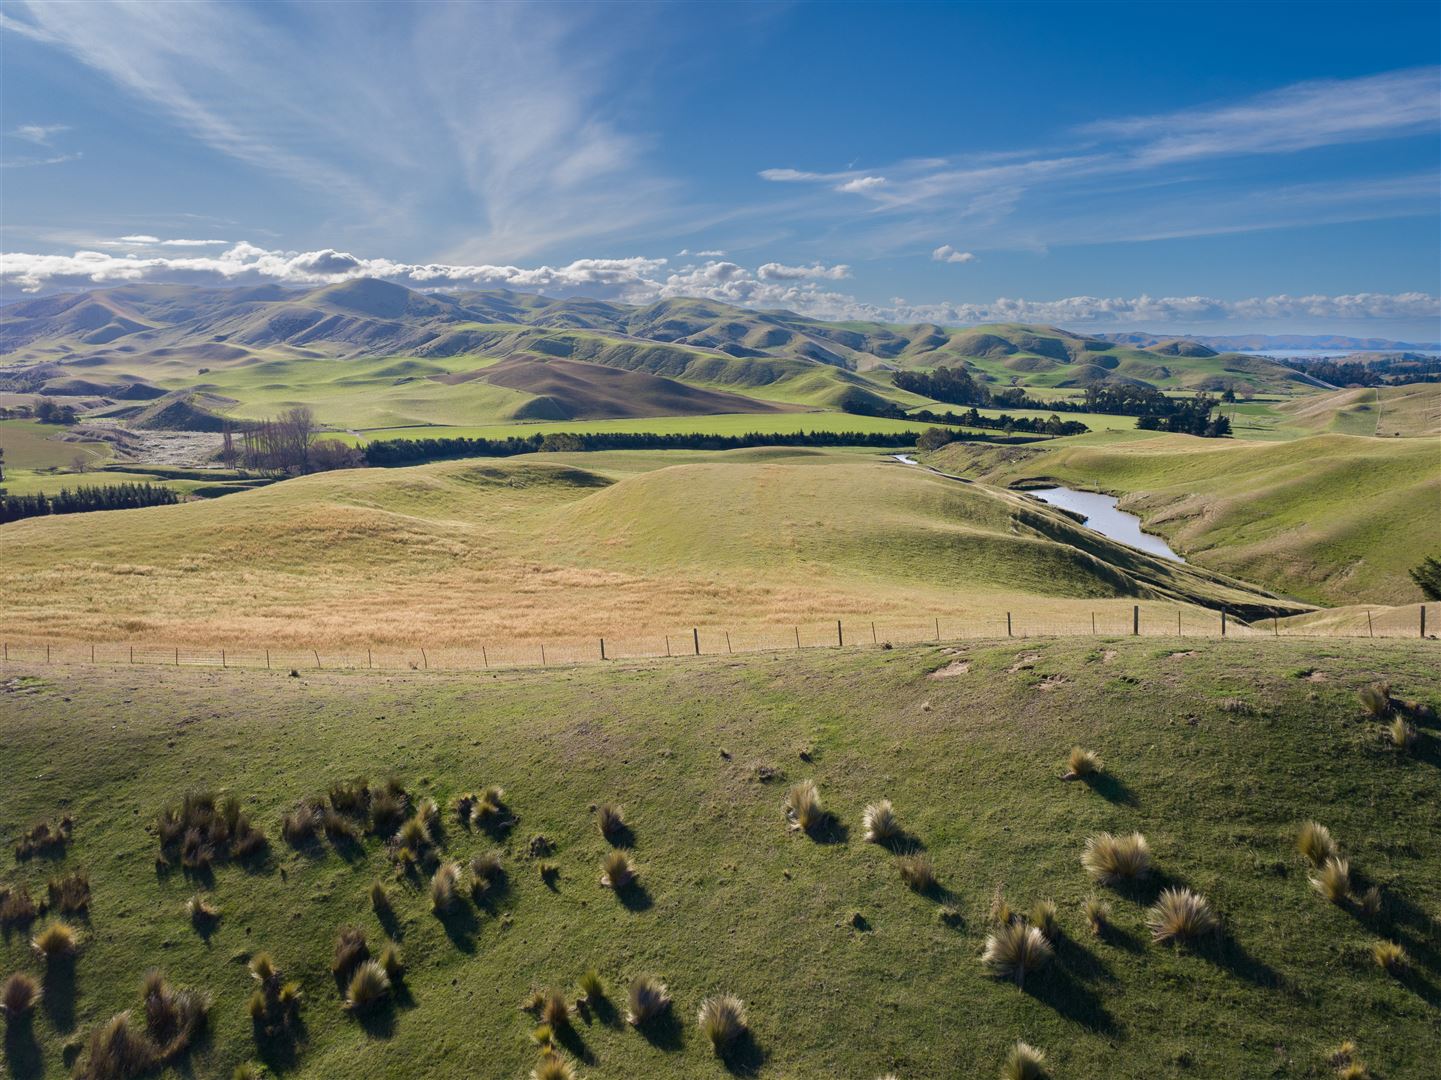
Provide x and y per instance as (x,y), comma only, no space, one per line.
(1214,168)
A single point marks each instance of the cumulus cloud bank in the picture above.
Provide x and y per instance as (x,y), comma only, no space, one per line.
(638,279)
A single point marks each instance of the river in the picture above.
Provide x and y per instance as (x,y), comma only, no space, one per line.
(1102,516)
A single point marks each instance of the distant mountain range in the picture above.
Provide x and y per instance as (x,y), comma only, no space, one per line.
(519,356)
(1261,343)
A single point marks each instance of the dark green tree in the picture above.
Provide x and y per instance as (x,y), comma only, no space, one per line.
(1427,577)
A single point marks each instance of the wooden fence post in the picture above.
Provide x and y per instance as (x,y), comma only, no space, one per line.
(1423,620)
(873,631)
(602,648)
(47,654)
(267,659)
(728,641)
(695,635)
(222,656)
(177,657)
(1008,625)
(542,653)
(92,656)
(1178,625)
(317,658)
(1135,620)
(840,638)
(424,659)
(667,644)
(1223,622)
(1093,624)
(798,636)
(132,654)
(1275,626)
(938,629)
(484,659)
(369,660)
(7,650)
(1370,627)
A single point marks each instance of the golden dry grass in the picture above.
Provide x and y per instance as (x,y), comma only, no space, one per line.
(523,550)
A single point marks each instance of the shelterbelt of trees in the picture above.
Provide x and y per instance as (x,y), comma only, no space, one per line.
(84,499)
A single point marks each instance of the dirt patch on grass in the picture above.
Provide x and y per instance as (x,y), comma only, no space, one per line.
(955,667)
(1182,655)
(1052,682)
(1024,662)
(1108,655)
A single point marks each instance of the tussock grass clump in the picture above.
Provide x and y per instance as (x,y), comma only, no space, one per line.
(722,1020)
(350,797)
(803,806)
(55,941)
(554,1011)
(1333,880)
(1082,763)
(173,1018)
(1097,913)
(1390,957)
(248,1070)
(917,871)
(70,894)
(350,952)
(592,989)
(17,906)
(1180,915)
(414,835)
(1000,912)
(1024,1062)
(1370,902)
(1315,842)
(203,913)
(117,1051)
(392,961)
(489,810)
(443,887)
(264,971)
(1376,700)
(367,988)
(611,821)
(45,838)
(1046,918)
(881,824)
(486,871)
(552,1067)
(1402,734)
(1015,950)
(1114,859)
(388,804)
(302,825)
(617,871)
(201,831)
(19,996)
(339,829)
(647,999)
(380,899)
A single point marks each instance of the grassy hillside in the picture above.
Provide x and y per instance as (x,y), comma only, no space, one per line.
(1217,755)
(1406,411)
(468,551)
(1331,519)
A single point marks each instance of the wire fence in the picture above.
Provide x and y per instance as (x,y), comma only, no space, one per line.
(1106,621)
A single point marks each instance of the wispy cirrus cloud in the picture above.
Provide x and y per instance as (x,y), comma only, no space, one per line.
(384,113)
(948,254)
(638,279)
(40,134)
(1053,195)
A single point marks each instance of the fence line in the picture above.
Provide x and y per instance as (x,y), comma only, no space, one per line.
(1105,621)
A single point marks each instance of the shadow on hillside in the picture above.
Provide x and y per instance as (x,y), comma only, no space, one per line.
(1111,788)
(635,897)
(280,1050)
(829,830)
(1063,992)
(1226,952)
(570,1040)
(1121,938)
(378,1022)
(664,1032)
(622,836)
(58,997)
(22,1050)
(744,1056)
(460,925)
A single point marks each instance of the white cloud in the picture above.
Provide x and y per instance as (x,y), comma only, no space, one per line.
(643,280)
(948,254)
(145,240)
(1298,117)
(773,271)
(32,162)
(862,184)
(40,134)
(708,254)
(139,238)
(786,176)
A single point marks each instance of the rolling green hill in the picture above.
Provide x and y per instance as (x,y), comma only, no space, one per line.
(562,546)
(1217,753)
(353,350)
(1330,519)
